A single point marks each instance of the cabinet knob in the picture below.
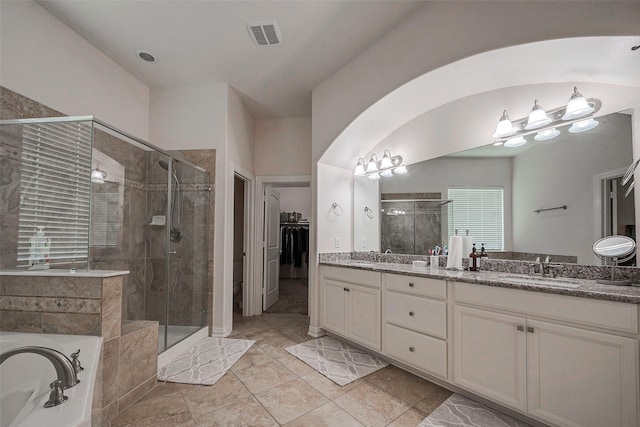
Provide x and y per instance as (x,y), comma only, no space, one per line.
(529,329)
(411,313)
(520,327)
(411,284)
(347,289)
(411,349)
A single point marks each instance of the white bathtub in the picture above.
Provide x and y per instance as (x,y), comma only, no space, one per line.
(25,379)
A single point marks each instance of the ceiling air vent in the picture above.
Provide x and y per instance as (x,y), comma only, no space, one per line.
(264,33)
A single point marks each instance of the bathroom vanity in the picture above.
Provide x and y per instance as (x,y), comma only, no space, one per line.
(560,351)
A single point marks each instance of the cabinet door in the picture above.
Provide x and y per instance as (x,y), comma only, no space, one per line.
(490,355)
(364,316)
(581,378)
(334,306)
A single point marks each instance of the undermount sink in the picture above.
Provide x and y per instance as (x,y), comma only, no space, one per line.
(543,281)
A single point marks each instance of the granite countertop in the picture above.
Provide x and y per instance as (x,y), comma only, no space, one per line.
(579,287)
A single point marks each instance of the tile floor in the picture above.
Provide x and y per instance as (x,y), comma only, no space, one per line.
(269,387)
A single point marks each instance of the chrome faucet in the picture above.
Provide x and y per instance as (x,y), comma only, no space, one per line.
(544,268)
(63,366)
(388,251)
(374,256)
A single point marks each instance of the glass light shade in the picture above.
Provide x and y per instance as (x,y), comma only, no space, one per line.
(583,126)
(577,106)
(386,173)
(537,118)
(359,171)
(515,142)
(400,170)
(386,160)
(372,166)
(547,134)
(505,127)
(498,143)
(98,176)
(374,176)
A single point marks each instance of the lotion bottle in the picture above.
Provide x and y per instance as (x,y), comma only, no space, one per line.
(473,259)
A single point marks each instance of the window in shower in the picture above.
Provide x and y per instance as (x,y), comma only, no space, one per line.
(55,189)
(107,201)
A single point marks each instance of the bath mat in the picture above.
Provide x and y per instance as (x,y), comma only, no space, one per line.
(205,362)
(339,362)
(460,411)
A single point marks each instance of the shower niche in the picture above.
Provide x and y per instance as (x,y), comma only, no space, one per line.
(110,201)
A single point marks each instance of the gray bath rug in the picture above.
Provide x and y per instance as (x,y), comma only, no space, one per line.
(460,411)
(205,362)
(339,362)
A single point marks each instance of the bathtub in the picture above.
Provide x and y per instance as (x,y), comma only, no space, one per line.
(25,379)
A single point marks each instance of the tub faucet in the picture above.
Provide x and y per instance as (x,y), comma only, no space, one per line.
(63,366)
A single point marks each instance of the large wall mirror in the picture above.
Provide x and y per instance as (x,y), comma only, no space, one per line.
(579,171)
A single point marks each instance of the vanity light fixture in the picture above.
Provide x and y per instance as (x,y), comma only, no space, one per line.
(375,169)
(577,106)
(545,125)
(537,118)
(98,176)
(583,126)
(505,127)
(546,134)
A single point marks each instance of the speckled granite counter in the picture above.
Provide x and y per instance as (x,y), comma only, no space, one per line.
(585,288)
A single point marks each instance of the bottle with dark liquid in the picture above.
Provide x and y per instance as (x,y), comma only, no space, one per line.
(473,259)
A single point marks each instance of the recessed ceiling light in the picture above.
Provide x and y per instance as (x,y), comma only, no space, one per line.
(146,56)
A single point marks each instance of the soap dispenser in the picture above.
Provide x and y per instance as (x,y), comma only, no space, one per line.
(473,259)
(39,250)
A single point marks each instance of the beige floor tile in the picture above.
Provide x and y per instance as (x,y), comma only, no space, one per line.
(244,413)
(411,418)
(204,399)
(405,386)
(296,365)
(327,387)
(254,356)
(166,410)
(328,415)
(261,377)
(290,400)
(432,400)
(371,406)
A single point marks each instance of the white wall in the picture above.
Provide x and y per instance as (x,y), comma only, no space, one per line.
(366,230)
(240,137)
(44,60)
(567,179)
(335,187)
(296,199)
(283,146)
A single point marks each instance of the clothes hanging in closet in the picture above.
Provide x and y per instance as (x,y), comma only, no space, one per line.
(294,244)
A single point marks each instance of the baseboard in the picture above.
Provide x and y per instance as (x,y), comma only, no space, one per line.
(316,332)
(171,353)
(221,332)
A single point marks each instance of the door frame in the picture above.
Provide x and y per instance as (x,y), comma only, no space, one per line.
(254,298)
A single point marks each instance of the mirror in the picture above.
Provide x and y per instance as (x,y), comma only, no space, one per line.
(617,247)
(553,191)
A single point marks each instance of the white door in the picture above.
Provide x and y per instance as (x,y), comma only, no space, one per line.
(271,245)
(581,378)
(489,355)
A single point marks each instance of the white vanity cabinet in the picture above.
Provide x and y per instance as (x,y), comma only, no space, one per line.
(351,304)
(415,322)
(538,353)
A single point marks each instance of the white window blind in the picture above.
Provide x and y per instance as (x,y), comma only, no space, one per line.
(481,211)
(55,189)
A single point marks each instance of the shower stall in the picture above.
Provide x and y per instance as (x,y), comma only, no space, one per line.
(106,200)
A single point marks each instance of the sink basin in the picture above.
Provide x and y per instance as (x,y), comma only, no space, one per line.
(543,281)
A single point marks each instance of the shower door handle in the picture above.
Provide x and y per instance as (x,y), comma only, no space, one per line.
(172,252)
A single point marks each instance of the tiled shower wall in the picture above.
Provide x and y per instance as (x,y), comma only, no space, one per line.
(141,248)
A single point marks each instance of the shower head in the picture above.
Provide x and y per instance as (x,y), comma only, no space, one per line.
(164,165)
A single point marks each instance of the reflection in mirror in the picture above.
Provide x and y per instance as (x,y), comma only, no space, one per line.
(580,170)
(617,250)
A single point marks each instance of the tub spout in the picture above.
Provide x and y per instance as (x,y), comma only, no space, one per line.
(64,368)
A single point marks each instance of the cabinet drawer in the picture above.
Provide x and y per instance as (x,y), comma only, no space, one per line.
(352,275)
(416,285)
(417,313)
(425,353)
(584,311)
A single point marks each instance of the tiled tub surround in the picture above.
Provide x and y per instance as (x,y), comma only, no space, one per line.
(561,356)
(53,302)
